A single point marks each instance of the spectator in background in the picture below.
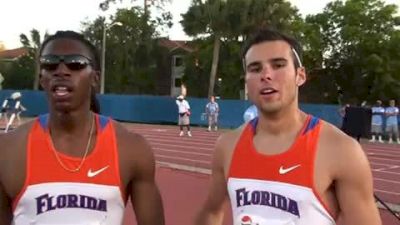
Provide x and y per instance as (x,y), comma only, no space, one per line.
(212,111)
(392,128)
(184,113)
(1,81)
(15,110)
(342,113)
(377,121)
(250,113)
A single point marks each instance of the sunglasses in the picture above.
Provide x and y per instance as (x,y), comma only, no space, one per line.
(73,62)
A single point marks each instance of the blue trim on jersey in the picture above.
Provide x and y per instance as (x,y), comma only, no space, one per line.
(311,124)
(253,124)
(103,121)
(44,120)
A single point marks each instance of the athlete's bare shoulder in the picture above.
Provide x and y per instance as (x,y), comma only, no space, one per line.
(229,139)
(129,139)
(333,138)
(15,141)
(339,149)
(13,158)
(133,148)
(225,146)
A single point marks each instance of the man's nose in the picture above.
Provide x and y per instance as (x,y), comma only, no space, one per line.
(266,73)
(62,70)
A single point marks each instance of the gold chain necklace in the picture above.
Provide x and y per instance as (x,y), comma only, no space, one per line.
(84,156)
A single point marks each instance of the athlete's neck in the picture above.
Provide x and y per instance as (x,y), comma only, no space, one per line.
(281,123)
(70,122)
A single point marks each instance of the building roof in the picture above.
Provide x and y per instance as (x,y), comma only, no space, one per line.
(13,53)
(175,44)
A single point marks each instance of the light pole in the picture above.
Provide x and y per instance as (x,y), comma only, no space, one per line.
(103,53)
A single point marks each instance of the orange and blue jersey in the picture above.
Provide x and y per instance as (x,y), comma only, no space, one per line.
(53,195)
(277,189)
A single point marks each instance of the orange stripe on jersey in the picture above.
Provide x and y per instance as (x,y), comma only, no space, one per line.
(100,167)
(294,166)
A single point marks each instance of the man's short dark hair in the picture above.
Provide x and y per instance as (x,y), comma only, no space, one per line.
(269,34)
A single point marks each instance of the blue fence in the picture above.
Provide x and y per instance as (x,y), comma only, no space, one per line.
(163,109)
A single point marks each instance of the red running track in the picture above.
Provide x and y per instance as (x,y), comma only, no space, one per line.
(184,192)
(196,152)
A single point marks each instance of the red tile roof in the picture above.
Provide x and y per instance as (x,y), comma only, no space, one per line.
(13,53)
(172,45)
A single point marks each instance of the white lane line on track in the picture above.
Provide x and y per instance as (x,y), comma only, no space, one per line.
(184,167)
(386,180)
(383,159)
(387,192)
(172,140)
(159,130)
(183,159)
(184,152)
(184,139)
(384,154)
(193,147)
(383,171)
(382,164)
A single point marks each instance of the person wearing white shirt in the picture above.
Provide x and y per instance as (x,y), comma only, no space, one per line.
(184,113)
(392,128)
(212,111)
(377,121)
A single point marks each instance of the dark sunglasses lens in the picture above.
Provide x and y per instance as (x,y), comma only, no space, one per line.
(76,65)
(49,66)
(49,62)
(73,62)
(76,62)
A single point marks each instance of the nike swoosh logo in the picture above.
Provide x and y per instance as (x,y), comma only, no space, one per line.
(91,173)
(287,170)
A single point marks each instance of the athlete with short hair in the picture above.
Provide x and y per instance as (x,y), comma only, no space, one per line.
(286,166)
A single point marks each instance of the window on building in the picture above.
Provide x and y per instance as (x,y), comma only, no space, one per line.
(178,82)
(178,61)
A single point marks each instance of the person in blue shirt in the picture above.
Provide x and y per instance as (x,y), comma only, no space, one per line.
(377,121)
(392,128)
(250,113)
(212,112)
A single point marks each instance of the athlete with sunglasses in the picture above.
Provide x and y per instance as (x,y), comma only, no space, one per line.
(73,166)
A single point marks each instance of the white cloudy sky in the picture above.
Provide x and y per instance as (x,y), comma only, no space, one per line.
(20,16)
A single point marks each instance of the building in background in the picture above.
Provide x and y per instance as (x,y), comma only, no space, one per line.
(171,67)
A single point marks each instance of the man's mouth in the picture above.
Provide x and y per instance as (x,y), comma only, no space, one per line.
(268,91)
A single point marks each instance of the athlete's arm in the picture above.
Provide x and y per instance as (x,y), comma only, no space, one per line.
(144,194)
(354,187)
(5,202)
(212,212)
(5,207)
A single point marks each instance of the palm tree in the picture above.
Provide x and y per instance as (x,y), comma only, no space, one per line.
(231,19)
(33,46)
(208,17)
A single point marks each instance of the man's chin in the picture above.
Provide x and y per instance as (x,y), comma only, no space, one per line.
(62,107)
(270,109)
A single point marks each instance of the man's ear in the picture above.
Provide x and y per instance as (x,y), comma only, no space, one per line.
(42,82)
(96,80)
(301,76)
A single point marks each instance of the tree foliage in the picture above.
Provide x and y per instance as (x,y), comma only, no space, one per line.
(22,73)
(227,22)
(351,48)
(130,65)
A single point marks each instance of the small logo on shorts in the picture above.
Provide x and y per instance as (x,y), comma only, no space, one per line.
(246,220)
